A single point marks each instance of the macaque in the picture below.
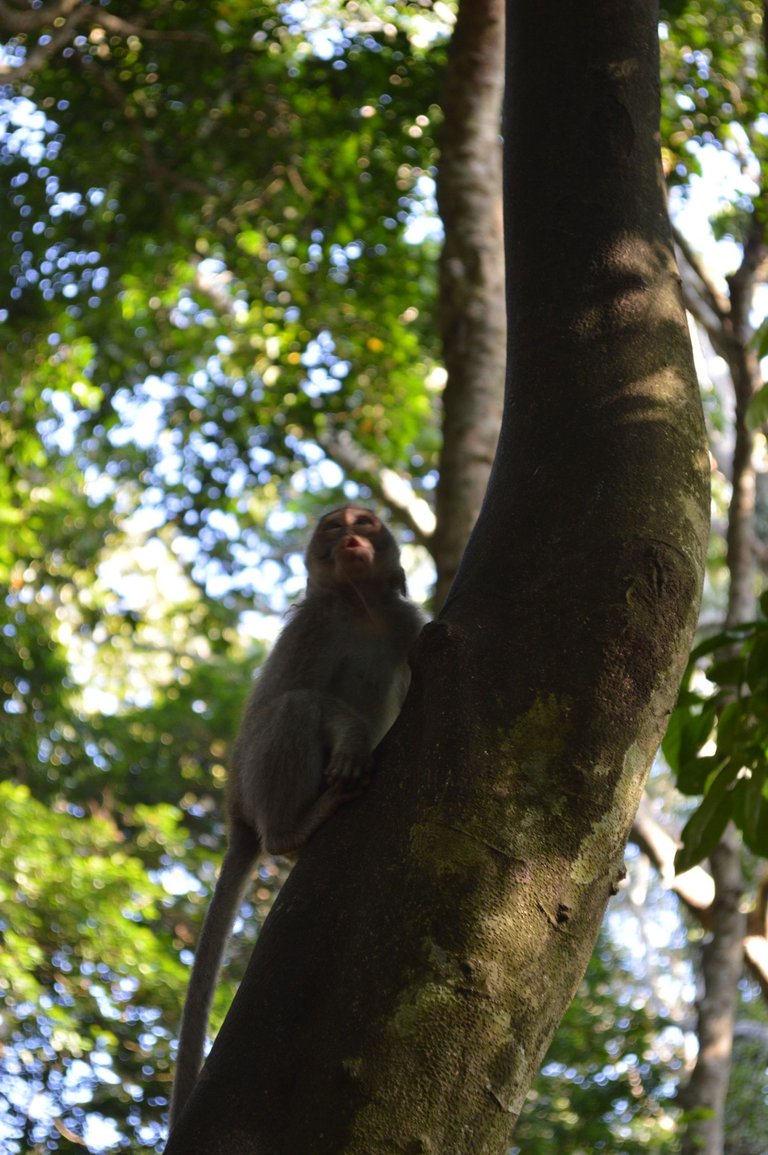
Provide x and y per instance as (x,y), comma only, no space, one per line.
(326,696)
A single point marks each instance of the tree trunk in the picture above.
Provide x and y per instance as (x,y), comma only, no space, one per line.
(727,323)
(416,963)
(721,968)
(744,366)
(472,313)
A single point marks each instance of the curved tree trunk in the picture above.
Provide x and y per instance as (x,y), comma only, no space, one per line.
(472,311)
(421,954)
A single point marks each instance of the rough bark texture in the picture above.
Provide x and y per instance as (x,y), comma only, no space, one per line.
(472,312)
(426,945)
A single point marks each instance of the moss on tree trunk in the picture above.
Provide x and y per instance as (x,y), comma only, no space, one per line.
(425,947)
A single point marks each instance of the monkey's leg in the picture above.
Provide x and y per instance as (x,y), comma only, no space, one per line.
(231,884)
(349,737)
(289,842)
(298,735)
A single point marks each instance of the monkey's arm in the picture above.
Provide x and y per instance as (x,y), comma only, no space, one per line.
(230,886)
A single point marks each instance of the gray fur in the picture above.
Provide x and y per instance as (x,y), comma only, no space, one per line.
(329,691)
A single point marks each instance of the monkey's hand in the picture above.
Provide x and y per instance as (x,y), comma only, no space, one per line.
(346,769)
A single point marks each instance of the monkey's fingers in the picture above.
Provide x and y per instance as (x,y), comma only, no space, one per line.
(346,768)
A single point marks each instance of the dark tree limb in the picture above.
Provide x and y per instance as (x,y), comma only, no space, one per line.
(744,366)
(419,958)
(388,487)
(721,968)
(727,323)
(472,314)
(705,292)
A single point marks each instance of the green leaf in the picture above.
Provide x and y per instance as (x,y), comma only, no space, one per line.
(716,641)
(692,778)
(686,734)
(728,672)
(705,827)
(754,826)
(757,410)
(761,341)
(756,674)
(729,726)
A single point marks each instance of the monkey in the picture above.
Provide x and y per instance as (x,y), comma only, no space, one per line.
(323,700)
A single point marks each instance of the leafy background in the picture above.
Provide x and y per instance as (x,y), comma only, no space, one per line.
(219,270)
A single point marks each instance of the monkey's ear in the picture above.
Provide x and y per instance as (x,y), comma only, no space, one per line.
(397,581)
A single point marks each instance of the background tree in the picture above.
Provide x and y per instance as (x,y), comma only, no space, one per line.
(720,85)
(471,300)
(125,644)
(499,818)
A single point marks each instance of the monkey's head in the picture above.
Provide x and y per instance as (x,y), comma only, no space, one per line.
(352,546)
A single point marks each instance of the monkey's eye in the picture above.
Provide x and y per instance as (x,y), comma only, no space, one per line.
(336,523)
(364,519)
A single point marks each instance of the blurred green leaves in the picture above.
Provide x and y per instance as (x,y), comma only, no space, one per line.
(223,205)
(717,741)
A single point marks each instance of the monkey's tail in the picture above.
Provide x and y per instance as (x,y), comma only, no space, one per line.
(233,880)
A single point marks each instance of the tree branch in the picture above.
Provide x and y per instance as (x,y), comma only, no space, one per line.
(388,487)
(707,289)
(66,17)
(722,964)
(15,20)
(695,888)
(116,24)
(39,56)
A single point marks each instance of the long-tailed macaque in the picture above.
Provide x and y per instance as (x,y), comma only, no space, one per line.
(329,691)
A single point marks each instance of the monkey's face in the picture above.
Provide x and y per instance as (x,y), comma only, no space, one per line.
(352,545)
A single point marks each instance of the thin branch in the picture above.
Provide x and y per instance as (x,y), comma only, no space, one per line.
(116,24)
(14,20)
(39,56)
(707,289)
(74,14)
(387,486)
(742,282)
(696,304)
(695,888)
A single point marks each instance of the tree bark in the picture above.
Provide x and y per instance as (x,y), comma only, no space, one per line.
(416,963)
(721,968)
(744,366)
(727,323)
(472,312)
